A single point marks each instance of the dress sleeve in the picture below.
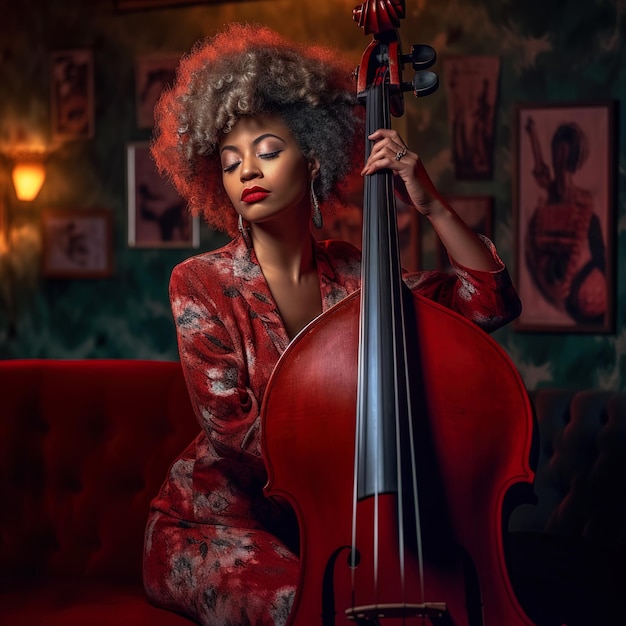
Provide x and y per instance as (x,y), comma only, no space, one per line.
(489,299)
(212,358)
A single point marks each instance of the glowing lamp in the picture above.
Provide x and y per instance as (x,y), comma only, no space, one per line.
(28,177)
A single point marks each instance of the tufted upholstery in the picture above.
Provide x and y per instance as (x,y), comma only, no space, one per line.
(568,549)
(84,446)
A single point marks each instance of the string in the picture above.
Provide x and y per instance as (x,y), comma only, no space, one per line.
(371,434)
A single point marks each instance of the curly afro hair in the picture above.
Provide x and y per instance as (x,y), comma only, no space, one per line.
(251,70)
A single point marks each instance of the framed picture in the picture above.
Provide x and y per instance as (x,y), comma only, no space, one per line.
(472,84)
(72,95)
(152,74)
(77,243)
(563,196)
(477,213)
(157,215)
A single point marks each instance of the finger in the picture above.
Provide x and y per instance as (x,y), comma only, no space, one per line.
(383,151)
(389,134)
(377,163)
(389,147)
(385,132)
(385,160)
(393,145)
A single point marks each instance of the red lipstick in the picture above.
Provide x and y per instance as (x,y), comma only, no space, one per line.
(254,194)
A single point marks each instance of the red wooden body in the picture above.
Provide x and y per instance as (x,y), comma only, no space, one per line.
(479,431)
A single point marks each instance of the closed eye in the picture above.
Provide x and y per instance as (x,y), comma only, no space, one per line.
(267,156)
(231,167)
(270,155)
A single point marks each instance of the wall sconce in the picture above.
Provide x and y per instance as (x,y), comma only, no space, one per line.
(29,174)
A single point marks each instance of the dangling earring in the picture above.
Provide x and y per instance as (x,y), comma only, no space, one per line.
(245,232)
(318,220)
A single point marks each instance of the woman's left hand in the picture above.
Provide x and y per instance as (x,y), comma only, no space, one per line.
(413,184)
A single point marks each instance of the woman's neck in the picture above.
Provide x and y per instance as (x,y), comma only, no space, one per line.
(288,264)
(288,253)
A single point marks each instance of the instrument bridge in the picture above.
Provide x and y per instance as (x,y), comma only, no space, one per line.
(371,614)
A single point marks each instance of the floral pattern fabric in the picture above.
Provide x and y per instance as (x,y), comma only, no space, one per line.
(216,549)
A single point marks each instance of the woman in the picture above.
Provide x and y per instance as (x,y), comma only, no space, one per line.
(257,134)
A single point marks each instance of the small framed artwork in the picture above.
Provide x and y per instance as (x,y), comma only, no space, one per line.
(472,84)
(157,215)
(563,196)
(152,74)
(477,213)
(72,95)
(77,243)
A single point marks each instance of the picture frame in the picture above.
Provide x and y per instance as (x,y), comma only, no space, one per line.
(153,73)
(77,243)
(472,86)
(157,215)
(565,231)
(477,212)
(72,95)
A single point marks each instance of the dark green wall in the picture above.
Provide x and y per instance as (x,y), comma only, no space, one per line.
(550,51)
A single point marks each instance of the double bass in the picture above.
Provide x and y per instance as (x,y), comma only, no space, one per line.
(396,429)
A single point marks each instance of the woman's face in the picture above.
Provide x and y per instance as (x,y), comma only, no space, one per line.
(560,155)
(265,174)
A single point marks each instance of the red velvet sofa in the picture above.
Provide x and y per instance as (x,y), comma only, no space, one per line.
(85,445)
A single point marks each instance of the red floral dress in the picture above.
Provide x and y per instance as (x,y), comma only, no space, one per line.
(216,549)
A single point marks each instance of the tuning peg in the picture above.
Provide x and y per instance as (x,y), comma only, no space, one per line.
(421,57)
(424,83)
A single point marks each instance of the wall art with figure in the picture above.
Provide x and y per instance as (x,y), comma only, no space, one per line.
(153,73)
(72,95)
(565,213)
(472,90)
(77,243)
(158,216)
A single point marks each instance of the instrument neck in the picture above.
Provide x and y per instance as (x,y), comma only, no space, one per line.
(382,358)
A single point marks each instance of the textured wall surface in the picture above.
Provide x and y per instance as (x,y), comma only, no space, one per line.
(549,52)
